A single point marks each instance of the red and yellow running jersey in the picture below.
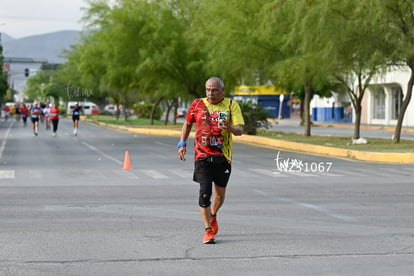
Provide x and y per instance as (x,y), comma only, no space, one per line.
(209,138)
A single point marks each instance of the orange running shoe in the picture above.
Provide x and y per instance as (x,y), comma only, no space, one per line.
(209,237)
(214,224)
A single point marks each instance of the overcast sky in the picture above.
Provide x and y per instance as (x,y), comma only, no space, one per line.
(20,18)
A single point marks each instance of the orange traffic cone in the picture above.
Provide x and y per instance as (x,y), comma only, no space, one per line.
(127,163)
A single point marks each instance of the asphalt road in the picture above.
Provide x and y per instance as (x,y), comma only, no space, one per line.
(68,208)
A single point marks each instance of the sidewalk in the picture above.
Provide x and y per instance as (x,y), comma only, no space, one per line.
(322,128)
(289,146)
(296,122)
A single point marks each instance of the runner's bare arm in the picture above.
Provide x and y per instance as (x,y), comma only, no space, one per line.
(185,132)
(237,130)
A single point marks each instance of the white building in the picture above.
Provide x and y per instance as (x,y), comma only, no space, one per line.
(383,100)
(380,106)
(333,109)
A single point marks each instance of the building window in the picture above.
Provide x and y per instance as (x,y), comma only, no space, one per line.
(396,102)
(379,103)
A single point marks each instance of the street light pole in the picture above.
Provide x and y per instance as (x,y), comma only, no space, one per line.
(281,98)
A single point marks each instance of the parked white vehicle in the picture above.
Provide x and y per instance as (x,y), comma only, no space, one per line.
(112,109)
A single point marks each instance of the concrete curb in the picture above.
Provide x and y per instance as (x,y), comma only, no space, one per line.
(349,125)
(326,151)
(285,145)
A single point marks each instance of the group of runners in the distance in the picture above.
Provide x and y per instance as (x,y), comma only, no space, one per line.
(44,112)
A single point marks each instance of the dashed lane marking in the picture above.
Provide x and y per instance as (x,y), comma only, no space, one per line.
(154,174)
(7,174)
(268,172)
(182,173)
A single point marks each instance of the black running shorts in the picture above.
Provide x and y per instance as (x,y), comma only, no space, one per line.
(214,168)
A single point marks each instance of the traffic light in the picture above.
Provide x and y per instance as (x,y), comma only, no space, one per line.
(26,72)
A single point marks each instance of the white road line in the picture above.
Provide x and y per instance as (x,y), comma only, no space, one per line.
(268,172)
(6,135)
(7,175)
(329,174)
(125,173)
(182,173)
(154,174)
(307,205)
(102,153)
(276,173)
(301,174)
(162,144)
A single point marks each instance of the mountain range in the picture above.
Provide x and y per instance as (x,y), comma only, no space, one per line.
(49,46)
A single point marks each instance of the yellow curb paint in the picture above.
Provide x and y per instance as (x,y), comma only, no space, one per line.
(286,145)
(389,157)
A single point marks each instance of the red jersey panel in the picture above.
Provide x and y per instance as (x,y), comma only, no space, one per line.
(209,138)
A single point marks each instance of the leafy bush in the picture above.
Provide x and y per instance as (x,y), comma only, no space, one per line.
(254,116)
(62,109)
(105,112)
(144,111)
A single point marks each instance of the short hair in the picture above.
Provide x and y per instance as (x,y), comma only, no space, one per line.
(217,80)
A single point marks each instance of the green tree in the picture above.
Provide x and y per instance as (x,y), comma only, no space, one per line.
(173,62)
(3,77)
(143,48)
(264,40)
(397,22)
(78,77)
(357,53)
(296,43)
(37,86)
(301,63)
(319,56)
(228,30)
(45,87)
